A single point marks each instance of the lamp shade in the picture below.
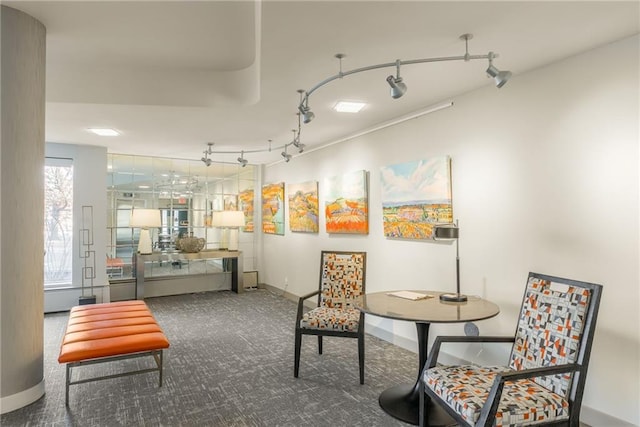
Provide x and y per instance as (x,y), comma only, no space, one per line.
(232,219)
(446,232)
(145,218)
(216,219)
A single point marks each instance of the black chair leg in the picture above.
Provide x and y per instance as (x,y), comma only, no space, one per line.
(361,356)
(319,344)
(422,411)
(296,363)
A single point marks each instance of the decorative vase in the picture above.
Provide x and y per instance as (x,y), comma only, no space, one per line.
(190,244)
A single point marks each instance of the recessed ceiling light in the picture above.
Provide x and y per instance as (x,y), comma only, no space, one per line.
(349,106)
(104,131)
(143,186)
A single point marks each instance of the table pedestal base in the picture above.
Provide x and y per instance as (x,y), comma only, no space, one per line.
(402,402)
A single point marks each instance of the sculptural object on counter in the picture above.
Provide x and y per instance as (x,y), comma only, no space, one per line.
(190,244)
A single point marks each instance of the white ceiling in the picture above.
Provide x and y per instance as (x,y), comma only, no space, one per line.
(172,76)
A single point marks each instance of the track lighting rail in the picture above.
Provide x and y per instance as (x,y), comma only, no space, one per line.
(396,83)
(393,64)
(398,87)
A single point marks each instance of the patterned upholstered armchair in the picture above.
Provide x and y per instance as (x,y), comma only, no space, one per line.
(544,380)
(342,284)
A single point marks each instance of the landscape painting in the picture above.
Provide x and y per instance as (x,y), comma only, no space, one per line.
(415,197)
(246,205)
(346,205)
(303,207)
(273,208)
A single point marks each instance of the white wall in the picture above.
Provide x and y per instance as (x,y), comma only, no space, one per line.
(545,179)
(89,174)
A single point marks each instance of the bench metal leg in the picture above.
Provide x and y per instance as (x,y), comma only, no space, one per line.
(157,356)
(67,383)
(161,352)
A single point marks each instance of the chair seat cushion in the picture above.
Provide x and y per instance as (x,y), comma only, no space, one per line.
(524,402)
(337,319)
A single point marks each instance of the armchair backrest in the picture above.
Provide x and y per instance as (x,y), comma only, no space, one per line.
(342,278)
(556,326)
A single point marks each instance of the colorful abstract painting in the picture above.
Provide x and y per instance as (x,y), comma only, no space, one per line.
(346,205)
(230,202)
(303,207)
(273,208)
(246,205)
(416,196)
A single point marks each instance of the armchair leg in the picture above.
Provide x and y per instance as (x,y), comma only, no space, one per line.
(319,344)
(422,412)
(361,356)
(296,363)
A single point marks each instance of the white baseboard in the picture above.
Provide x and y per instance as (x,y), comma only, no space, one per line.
(63,299)
(595,418)
(22,399)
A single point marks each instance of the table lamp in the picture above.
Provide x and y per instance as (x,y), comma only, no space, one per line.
(233,220)
(451,232)
(145,219)
(229,221)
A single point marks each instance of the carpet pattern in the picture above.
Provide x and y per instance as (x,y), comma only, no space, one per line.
(230,364)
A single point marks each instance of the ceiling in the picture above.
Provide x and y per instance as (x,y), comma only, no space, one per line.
(172,76)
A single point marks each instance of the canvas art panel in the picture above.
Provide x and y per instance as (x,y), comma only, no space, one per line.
(415,197)
(346,203)
(230,202)
(303,207)
(246,198)
(273,208)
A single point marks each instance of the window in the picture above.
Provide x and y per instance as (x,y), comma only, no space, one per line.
(58,222)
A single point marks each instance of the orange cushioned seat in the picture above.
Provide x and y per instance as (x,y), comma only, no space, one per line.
(108,332)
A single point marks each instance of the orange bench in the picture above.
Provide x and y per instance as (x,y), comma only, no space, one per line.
(107,332)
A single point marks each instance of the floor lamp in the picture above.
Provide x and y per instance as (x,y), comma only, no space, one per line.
(145,219)
(451,232)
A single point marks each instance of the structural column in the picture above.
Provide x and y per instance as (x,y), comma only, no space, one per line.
(22,112)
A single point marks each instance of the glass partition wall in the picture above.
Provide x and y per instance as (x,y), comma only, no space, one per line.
(187,192)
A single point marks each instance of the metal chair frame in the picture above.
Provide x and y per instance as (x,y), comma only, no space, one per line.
(490,408)
(359,334)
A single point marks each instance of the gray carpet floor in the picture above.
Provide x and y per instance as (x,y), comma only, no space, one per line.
(230,364)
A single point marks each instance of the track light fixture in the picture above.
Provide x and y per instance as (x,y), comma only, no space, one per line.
(242,160)
(303,108)
(296,140)
(500,77)
(207,161)
(398,88)
(286,156)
